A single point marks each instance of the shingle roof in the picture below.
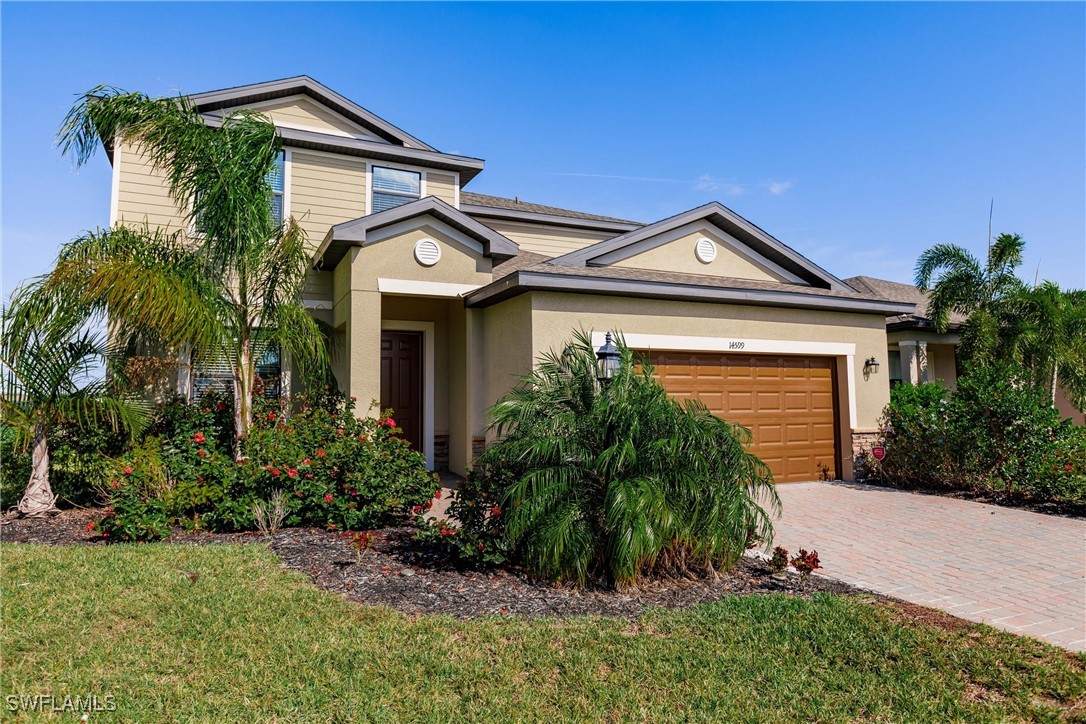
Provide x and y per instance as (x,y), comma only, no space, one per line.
(498,202)
(899,292)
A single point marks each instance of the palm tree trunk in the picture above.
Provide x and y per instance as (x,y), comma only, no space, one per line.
(243,394)
(1055,376)
(39,499)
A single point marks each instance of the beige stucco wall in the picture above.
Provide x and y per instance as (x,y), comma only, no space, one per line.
(1067,409)
(556,316)
(547,239)
(442,185)
(678,256)
(941,362)
(507,350)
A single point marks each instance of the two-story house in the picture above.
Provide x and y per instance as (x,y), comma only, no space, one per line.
(441,296)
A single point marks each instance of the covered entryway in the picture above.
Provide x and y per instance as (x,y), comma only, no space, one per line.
(787,401)
(401,381)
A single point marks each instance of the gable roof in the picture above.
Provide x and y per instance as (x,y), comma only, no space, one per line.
(341,237)
(304,85)
(500,207)
(728,221)
(537,273)
(898,291)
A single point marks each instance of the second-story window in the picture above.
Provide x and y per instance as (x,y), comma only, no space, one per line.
(275,180)
(394,187)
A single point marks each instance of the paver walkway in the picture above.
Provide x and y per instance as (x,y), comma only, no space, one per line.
(1016,570)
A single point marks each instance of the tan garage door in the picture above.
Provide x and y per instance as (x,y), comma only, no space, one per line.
(787,402)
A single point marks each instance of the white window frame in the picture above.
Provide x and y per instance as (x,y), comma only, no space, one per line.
(371,167)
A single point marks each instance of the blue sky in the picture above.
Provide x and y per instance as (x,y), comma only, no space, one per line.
(859,134)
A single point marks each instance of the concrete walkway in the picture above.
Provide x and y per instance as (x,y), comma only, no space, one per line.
(1012,569)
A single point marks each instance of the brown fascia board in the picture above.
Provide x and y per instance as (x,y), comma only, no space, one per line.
(303,84)
(520,282)
(341,237)
(466,166)
(493,212)
(720,215)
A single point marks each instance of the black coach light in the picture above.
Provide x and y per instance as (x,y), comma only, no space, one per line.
(871,364)
(608,361)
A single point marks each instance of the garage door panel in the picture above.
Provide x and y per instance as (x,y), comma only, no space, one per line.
(787,402)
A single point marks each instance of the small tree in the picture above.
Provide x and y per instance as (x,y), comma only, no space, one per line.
(621,480)
(52,376)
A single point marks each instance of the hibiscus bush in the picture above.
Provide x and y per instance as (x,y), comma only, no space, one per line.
(995,434)
(333,469)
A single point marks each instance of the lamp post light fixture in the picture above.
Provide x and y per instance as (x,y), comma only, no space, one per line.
(871,364)
(608,361)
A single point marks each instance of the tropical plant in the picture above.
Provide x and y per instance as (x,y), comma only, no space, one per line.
(1051,339)
(960,283)
(228,291)
(619,480)
(52,375)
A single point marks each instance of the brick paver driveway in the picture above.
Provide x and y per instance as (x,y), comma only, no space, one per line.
(1012,569)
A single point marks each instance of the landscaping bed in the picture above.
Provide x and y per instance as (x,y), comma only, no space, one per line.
(411,577)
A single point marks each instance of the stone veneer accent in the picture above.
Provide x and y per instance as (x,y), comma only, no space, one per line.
(862,442)
(478,444)
(441,451)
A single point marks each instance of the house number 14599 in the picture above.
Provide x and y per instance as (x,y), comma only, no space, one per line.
(736,345)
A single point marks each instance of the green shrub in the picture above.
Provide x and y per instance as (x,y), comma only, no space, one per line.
(14,467)
(613,482)
(1061,473)
(996,433)
(136,511)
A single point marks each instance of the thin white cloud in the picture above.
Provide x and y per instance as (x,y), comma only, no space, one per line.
(778,187)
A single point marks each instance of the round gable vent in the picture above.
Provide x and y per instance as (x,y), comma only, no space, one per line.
(705,250)
(427,252)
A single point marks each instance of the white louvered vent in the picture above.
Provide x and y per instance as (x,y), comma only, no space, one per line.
(705,250)
(427,252)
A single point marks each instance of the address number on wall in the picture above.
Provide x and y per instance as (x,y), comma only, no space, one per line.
(736,345)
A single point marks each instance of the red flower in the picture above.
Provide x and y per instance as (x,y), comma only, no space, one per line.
(339,431)
(480,545)
(275,472)
(320,453)
(298,494)
(305,462)
(416,509)
(362,438)
(495,511)
(222,406)
(114,484)
(91,525)
(271,416)
(437,495)
(389,422)
(328,498)
(128,470)
(292,473)
(309,476)
(354,492)
(1068,467)
(202,453)
(199,437)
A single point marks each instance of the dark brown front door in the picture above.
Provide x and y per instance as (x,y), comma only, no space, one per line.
(401,381)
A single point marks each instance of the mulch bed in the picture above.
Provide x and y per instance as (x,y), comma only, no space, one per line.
(400,573)
(1061,509)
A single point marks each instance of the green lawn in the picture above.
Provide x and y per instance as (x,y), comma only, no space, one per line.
(223,633)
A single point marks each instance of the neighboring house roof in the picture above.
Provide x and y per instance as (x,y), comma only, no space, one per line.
(342,237)
(304,85)
(898,291)
(728,221)
(515,277)
(517,210)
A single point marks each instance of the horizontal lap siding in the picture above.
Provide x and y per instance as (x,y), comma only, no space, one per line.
(324,191)
(787,402)
(545,239)
(441,185)
(143,193)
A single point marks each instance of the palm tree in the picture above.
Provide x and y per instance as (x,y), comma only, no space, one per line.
(225,293)
(1052,339)
(978,291)
(51,376)
(621,480)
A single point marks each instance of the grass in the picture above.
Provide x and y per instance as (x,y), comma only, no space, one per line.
(224,633)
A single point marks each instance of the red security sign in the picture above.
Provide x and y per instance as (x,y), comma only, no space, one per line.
(879,452)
